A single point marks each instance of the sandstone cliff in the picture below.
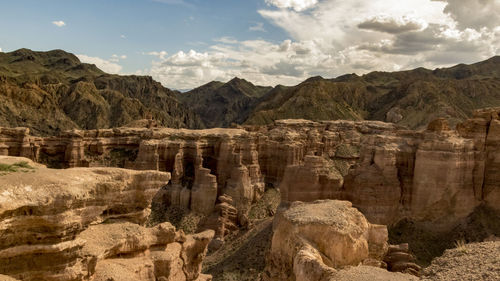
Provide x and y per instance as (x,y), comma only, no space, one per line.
(84,224)
(388,172)
(435,177)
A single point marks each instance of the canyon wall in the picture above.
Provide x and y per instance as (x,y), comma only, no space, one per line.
(86,224)
(386,171)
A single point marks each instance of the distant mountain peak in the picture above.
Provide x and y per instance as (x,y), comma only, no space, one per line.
(239,81)
(236,79)
(54,58)
(314,79)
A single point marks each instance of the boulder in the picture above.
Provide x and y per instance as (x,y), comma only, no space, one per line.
(317,238)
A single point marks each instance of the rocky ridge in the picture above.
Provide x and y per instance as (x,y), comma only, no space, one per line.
(411,98)
(50,92)
(223,104)
(53,91)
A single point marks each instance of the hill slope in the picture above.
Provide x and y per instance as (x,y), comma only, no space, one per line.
(220,104)
(53,91)
(411,98)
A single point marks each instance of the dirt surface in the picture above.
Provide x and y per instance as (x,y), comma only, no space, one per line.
(427,244)
(475,261)
(243,257)
(370,273)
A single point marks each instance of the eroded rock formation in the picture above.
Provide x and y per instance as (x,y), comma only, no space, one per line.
(386,171)
(316,240)
(390,173)
(85,224)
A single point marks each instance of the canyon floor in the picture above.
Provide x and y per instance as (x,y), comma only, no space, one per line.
(243,257)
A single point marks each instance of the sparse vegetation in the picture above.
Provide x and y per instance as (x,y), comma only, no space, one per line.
(460,245)
(179,217)
(22,166)
(342,166)
(347,151)
(266,206)
(243,256)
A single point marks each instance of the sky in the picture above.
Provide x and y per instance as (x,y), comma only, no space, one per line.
(186,43)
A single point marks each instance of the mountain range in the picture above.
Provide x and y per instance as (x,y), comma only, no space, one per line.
(53,91)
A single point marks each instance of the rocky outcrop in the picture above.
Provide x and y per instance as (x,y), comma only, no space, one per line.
(386,171)
(85,224)
(224,221)
(399,259)
(314,241)
(314,179)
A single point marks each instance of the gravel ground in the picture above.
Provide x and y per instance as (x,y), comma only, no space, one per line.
(475,261)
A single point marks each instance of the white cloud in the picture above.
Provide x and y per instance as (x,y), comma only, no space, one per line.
(226,40)
(117,58)
(386,23)
(0,49)
(59,23)
(188,70)
(378,34)
(257,27)
(109,66)
(297,5)
(160,54)
(474,14)
(333,37)
(123,36)
(259,61)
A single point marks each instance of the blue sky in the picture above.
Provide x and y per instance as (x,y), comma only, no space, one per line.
(97,28)
(185,43)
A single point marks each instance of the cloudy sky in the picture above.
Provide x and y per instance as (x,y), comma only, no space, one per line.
(186,43)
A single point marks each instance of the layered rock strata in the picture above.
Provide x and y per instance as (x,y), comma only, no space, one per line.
(400,259)
(85,224)
(387,172)
(204,164)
